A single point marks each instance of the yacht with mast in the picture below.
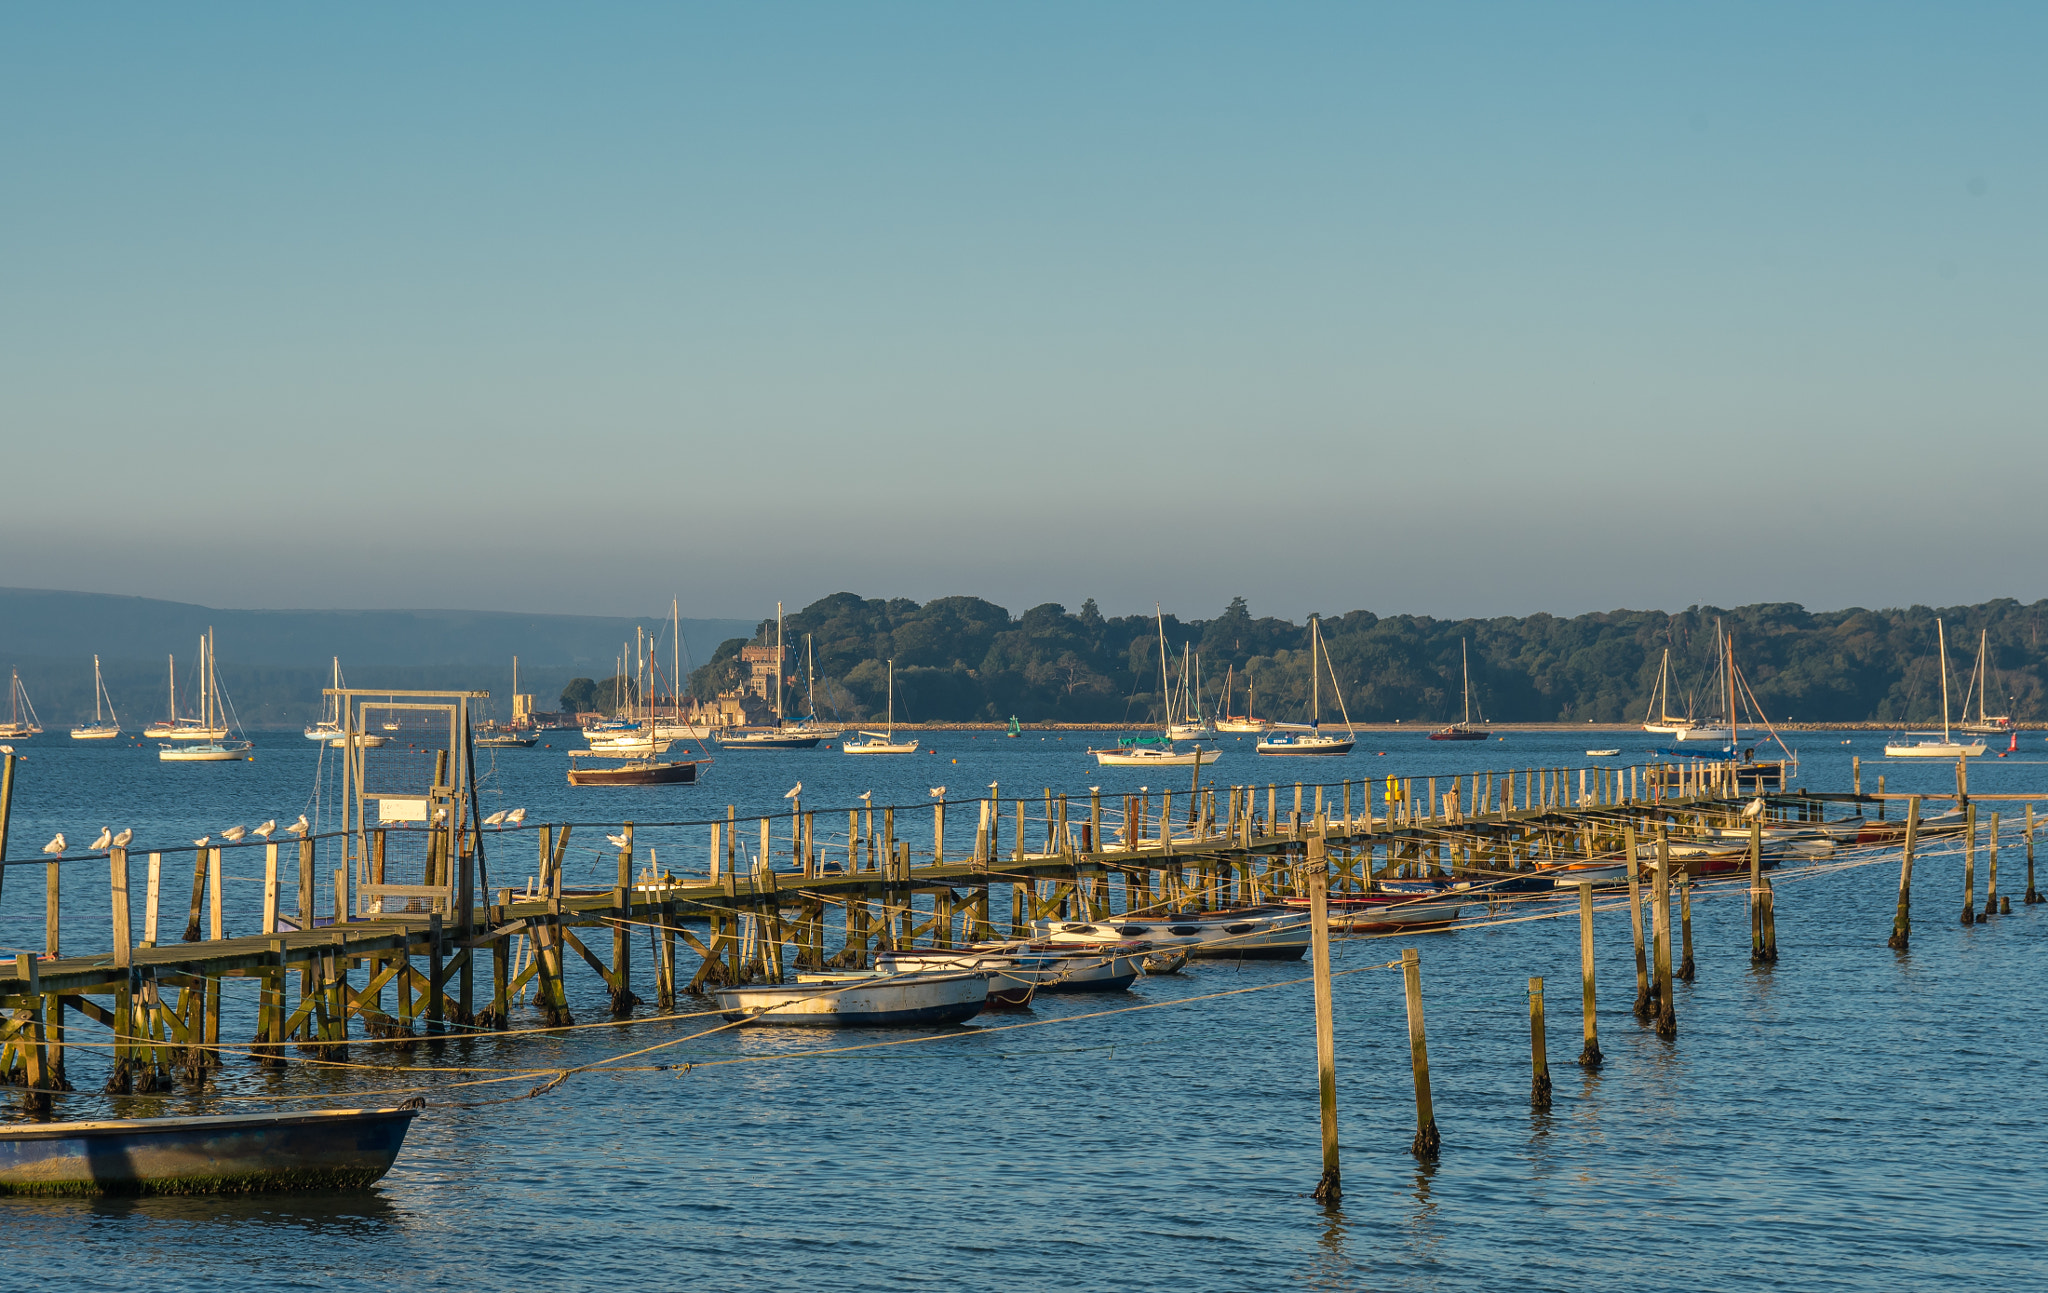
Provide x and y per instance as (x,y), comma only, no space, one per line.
(176,728)
(1228,722)
(212,719)
(1308,738)
(1462,731)
(329,728)
(1191,727)
(804,734)
(18,728)
(1157,751)
(1980,683)
(1927,747)
(882,742)
(105,725)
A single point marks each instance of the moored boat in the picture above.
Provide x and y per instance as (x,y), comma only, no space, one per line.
(632,772)
(322,1149)
(859,999)
(105,726)
(1250,933)
(1012,975)
(1299,738)
(885,742)
(18,728)
(1425,906)
(1462,731)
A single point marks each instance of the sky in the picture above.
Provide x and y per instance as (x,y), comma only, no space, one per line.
(1449,309)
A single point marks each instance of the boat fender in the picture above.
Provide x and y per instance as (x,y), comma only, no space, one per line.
(1133,931)
(1077,929)
(1242,927)
(1183,929)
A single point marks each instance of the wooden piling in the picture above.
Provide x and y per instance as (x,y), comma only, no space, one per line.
(1902,921)
(1756,890)
(623,999)
(2033,895)
(1331,1187)
(1635,922)
(1539,1051)
(1685,969)
(120,1078)
(1667,1009)
(1990,871)
(1589,1057)
(1969,860)
(1427,1141)
(6,805)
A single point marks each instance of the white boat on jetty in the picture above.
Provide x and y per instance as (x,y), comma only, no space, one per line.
(1245,933)
(1105,964)
(859,999)
(1012,975)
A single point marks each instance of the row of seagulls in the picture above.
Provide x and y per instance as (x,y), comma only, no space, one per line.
(504,817)
(234,834)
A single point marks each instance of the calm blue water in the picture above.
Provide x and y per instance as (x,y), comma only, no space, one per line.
(1851,1118)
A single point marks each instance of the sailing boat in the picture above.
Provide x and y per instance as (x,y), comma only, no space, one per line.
(212,719)
(329,727)
(1980,682)
(175,728)
(800,735)
(1193,727)
(1666,723)
(1156,751)
(1691,731)
(1298,738)
(1461,731)
(17,728)
(882,742)
(103,727)
(1225,721)
(1928,748)
(506,736)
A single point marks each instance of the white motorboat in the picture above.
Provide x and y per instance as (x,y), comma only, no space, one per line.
(882,742)
(104,726)
(1108,964)
(1012,975)
(859,999)
(1155,753)
(1926,746)
(1252,933)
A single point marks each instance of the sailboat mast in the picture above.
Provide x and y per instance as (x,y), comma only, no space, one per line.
(1465,658)
(892,701)
(1165,687)
(1733,729)
(675,648)
(1315,680)
(1941,637)
(778,664)
(810,679)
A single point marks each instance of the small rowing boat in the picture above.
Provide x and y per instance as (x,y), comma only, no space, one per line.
(1109,964)
(1246,933)
(1012,976)
(859,999)
(325,1149)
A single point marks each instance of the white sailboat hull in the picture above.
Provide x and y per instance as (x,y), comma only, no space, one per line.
(213,753)
(1148,758)
(1935,750)
(878,747)
(1242,725)
(101,733)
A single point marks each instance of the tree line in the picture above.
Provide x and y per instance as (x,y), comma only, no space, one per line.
(965,659)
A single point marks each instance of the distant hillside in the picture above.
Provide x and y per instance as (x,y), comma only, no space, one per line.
(273,663)
(962,658)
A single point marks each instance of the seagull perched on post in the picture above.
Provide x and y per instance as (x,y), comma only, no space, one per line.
(121,840)
(1754,808)
(938,792)
(55,848)
(203,841)
(617,841)
(516,816)
(495,819)
(267,829)
(106,838)
(794,791)
(234,834)
(300,827)
(864,795)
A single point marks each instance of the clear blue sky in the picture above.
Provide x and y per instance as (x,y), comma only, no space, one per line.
(1456,309)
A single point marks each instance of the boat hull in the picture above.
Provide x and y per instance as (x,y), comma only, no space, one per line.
(1372,914)
(95,733)
(329,1149)
(1935,750)
(878,747)
(1458,734)
(655,774)
(1012,980)
(1160,759)
(1311,746)
(215,753)
(1221,936)
(768,742)
(859,1001)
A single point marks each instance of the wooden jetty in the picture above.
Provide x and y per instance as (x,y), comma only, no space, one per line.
(414,941)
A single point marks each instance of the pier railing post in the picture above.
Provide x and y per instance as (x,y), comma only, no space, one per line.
(1991,872)
(1539,1050)
(1902,919)
(1969,859)
(1635,921)
(2033,896)
(1331,1187)
(1427,1140)
(1590,1057)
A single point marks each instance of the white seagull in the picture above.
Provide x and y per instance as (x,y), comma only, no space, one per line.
(1755,808)
(203,841)
(495,819)
(234,834)
(864,795)
(106,838)
(617,841)
(794,791)
(55,848)
(6,749)
(267,829)
(938,792)
(516,816)
(300,827)
(127,834)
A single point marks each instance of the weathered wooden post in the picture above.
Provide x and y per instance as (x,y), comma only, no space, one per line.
(35,1097)
(1331,1187)
(1635,922)
(1991,872)
(2033,896)
(1667,1007)
(121,1079)
(1590,1057)
(1902,921)
(1427,1141)
(1539,1050)
(1969,860)
(6,805)
(1685,969)
(1756,890)
(623,999)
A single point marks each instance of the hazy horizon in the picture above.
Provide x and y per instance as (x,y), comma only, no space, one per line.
(1463,310)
